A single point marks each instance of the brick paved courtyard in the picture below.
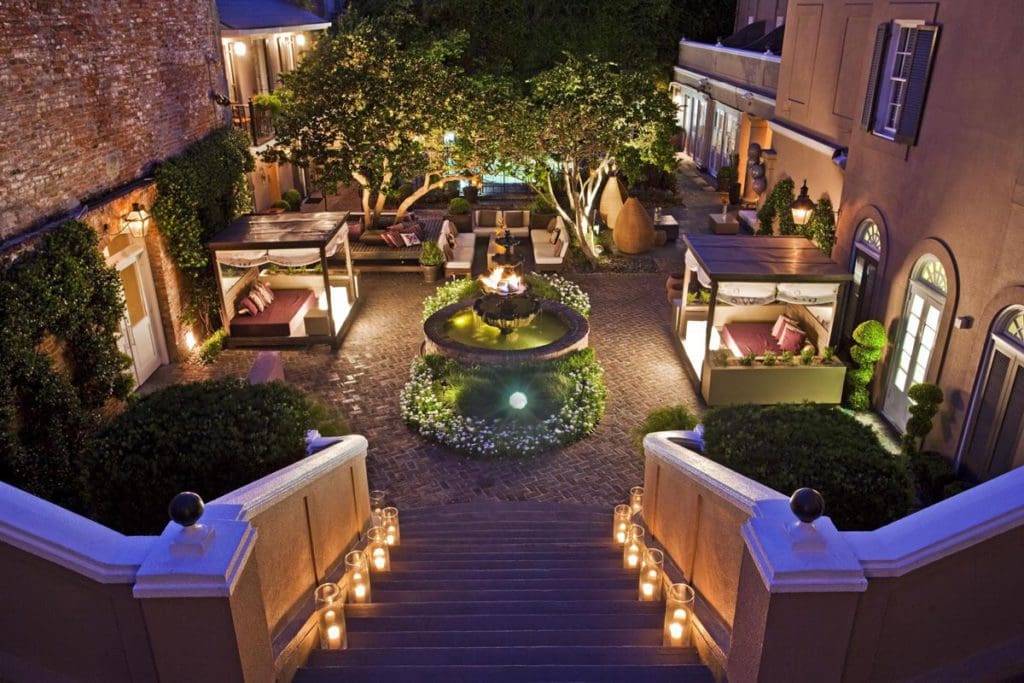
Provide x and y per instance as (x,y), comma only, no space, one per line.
(630,330)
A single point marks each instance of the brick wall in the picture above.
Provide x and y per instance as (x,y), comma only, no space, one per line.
(94,93)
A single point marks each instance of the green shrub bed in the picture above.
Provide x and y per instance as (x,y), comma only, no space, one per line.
(468,408)
(210,437)
(790,446)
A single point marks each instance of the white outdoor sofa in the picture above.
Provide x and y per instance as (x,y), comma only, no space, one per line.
(458,259)
(486,222)
(549,256)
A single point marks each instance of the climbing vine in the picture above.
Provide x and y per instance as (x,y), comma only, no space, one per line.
(198,194)
(822,226)
(60,310)
(777,205)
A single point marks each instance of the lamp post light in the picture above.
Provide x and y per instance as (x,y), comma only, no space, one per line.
(358,572)
(652,573)
(620,524)
(136,221)
(802,207)
(633,548)
(679,615)
(330,610)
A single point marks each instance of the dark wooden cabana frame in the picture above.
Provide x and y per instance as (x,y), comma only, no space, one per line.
(280,233)
(753,259)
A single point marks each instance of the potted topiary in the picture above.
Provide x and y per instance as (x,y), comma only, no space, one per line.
(431,262)
(458,214)
(470,192)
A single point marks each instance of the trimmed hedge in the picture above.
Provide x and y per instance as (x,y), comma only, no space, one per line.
(666,418)
(793,445)
(210,437)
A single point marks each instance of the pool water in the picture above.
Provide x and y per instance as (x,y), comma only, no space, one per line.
(465,328)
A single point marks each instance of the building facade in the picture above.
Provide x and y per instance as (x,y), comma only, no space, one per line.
(903,115)
(260,41)
(96,95)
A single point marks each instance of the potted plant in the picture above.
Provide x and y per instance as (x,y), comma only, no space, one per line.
(458,214)
(431,262)
(470,192)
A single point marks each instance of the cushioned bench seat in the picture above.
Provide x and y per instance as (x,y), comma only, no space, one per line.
(544,255)
(458,260)
(486,222)
(282,318)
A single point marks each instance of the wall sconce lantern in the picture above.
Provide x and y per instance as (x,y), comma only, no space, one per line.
(358,572)
(803,207)
(136,221)
(392,532)
(620,527)
(652,575)
(330,609)
(679,615)
(633,548)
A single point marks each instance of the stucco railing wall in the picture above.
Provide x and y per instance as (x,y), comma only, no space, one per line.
(228,600)
(933,596)
(696,508)
(757,71)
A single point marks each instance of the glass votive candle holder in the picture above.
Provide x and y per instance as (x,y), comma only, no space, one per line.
(358,571)
(377,498)
(636,499)
(330,610)
(633,548)
(679,615)
(620,524)
(377,549)
(651,575)
(389,521)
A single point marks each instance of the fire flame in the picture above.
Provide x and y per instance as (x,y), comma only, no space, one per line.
(503,281)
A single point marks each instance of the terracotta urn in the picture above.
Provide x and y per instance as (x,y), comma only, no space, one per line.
(612,197)
(634,229)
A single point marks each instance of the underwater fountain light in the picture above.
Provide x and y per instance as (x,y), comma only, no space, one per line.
(517,400)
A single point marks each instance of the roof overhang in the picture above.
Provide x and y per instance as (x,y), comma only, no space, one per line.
(228,32)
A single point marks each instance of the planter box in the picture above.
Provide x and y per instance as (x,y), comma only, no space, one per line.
(313,205)
(463,222)
(765,385)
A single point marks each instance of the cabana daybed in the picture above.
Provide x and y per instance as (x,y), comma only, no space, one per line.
(275,282)
(769,296)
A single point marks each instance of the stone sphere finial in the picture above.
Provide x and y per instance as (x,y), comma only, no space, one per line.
(807,504)
(186,508)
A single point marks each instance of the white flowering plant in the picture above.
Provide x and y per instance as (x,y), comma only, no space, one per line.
(542,285)
(505,411)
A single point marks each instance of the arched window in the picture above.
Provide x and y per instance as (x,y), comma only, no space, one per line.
(995,435)
(867,252)
(918,336)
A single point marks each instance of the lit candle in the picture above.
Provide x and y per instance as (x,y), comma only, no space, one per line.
(651,574)
(620,524)
(334,636)
(675,630)
(636,499)
(359,590)
(391,526)
(678,602)
(633,558)
(648,589)
(632,550)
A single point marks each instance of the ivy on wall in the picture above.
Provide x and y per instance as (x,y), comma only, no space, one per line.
(198,194)
(60,310)
(777,204)
(822,226)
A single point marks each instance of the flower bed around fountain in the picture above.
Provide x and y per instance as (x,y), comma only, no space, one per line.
(506,369)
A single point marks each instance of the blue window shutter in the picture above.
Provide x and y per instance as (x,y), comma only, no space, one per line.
(867,119)
(922,40)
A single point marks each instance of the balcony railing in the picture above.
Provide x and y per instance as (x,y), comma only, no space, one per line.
(256,121)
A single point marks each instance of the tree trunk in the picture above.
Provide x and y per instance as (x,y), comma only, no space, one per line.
(427,186)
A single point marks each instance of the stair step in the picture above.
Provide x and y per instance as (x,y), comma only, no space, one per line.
(501,622)
(428,553)
(497,607)
(615,562)
(531,655)
(594,637)
(502,673)
(509,543)
(504,509)
(572,593)
(398,573)
(540,526)
(441,583)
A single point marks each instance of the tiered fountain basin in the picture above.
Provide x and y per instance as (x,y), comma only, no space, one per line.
(458,332)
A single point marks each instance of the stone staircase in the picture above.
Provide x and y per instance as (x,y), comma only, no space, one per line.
(505,592)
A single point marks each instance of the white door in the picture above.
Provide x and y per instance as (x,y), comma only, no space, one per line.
(916,344)
(138,326)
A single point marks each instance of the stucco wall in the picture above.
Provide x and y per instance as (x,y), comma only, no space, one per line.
(94,93)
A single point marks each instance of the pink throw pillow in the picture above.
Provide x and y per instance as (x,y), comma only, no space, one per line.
(792,339)
(265,293)
(248,306)
(780,323)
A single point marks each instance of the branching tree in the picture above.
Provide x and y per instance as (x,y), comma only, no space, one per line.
(582,114)
(371,104)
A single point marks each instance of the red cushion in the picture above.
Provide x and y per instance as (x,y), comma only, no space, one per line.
(792,339)
(393,239)
(780,323)
(249,305)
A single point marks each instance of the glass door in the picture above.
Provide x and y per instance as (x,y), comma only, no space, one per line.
(861,291)
(915,346)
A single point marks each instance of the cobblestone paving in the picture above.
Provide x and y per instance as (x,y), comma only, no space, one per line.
(630,330)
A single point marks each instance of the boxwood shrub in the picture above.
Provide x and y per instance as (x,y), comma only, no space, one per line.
(210,437)
(789,446)
(666,418)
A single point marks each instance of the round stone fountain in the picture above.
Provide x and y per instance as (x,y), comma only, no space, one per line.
(506,324)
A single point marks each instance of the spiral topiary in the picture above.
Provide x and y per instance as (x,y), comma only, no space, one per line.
(926,401)
(871,339)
